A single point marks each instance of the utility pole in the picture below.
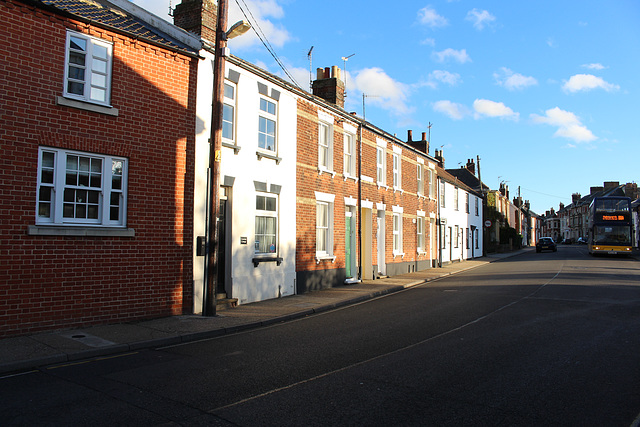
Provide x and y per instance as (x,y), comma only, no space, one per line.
(215,149)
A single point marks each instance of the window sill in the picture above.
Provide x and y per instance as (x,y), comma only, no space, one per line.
(400,254)
(398,189)
(322,170)
(380,185)
(51,230)
(261,154)
(236,148)
(102,109)
(257,261)
(319,258)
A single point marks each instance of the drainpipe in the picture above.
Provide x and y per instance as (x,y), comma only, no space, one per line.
(359,215)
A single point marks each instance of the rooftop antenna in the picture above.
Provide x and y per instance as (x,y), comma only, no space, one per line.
(170,9)
(364,117)
(345,59)
(310,71)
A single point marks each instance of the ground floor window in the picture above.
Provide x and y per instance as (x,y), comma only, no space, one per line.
(266,234)
(78,188)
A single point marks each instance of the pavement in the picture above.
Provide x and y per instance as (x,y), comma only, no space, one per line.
(25,353)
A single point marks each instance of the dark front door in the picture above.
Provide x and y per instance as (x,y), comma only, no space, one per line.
(222,244)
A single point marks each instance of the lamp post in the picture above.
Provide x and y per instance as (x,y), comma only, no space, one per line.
(215,148)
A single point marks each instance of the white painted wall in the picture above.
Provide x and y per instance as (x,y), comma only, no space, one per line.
(268,280)
(464,221)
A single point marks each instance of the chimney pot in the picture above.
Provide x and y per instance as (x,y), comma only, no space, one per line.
(409,135)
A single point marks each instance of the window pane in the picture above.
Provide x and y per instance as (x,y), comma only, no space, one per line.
(99,80)
(229,91)
(76,58)
(83,179)
(260,203)
(78,43)
(92,212)
(98,94)
(96,181)
(76,73)
(271,204)
(69,195)
(81,211)
(114,213)
(93,197)
(75,88)
(45,194)
(67,211)
(44,210)
(46,177)
(227,121)
(48,160)
(116,183)
(100,51)
(72,179)
(115,199)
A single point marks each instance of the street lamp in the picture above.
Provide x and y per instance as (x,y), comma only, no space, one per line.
(215,148)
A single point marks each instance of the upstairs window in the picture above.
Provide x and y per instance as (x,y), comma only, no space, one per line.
(420,179)
(228,112)
(380,166)
(76,188)
(325,146)
(87,75)
(267,125)
(349,155)
(397,174)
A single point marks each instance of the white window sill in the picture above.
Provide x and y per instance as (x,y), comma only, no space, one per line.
(79,231)
(398,189)
(354,178)
(262,154)
(400,254)
(380,185)
(232,145)
(319,258)
(422,253)
(367,179)
(322,170)
(96,108)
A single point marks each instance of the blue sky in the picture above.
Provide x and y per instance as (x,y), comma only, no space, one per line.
(547,93)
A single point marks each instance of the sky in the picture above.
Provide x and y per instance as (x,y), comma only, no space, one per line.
(546,93)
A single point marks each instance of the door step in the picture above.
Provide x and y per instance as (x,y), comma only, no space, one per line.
(224,303)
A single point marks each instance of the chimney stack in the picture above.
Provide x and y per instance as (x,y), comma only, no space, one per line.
(328,85)
(422,145)
(198,17)
(471,166)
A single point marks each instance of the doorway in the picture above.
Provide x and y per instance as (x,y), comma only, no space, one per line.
(380,236)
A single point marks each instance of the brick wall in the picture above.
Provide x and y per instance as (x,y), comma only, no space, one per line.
(49,282)
(310,180)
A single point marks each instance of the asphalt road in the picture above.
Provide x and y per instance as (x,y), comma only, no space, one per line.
(537,339)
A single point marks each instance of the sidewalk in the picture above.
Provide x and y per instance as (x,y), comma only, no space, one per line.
(28,352)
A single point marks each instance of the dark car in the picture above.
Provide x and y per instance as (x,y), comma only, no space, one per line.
(546,244)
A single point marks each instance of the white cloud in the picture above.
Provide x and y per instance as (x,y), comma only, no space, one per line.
(456,55)
(429,17)
(487,108)
(513,81)
(585,82)
(568,124)
(428,42)
(595,66)
(480,18)
(441,76)
(381,89)
(451,109)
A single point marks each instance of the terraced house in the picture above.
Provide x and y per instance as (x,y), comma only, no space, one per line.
(97,139)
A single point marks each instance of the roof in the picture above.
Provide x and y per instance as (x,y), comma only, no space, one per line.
(451,179)
(108,14)
(463,174)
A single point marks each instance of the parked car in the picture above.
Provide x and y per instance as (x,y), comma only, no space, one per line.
(582,240)
(546,244)
(566,241)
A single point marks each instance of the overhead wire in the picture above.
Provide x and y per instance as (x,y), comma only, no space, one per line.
(263,38)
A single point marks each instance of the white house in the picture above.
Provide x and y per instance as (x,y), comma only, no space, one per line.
(460,219)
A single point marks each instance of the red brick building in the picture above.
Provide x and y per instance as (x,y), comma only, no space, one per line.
(366,204)
(97,113)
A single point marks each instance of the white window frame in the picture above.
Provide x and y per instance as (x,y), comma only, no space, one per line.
(432,181)
(397,168)
(266,213)
(229,104)
(443,186)
(349,155)
(381,162)
(467,202)
(324,202)
(477,206)
(420,231)
(456,197)
(397,230)
(52,183)
(268,117)
(325,146)
(420,177)
(96,71)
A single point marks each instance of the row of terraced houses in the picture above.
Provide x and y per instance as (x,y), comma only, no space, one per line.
(105,141)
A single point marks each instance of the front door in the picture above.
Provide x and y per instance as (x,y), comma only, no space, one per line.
(382,268)
(350,244)
(222,245)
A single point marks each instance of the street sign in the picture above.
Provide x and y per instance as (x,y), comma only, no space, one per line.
(487,223)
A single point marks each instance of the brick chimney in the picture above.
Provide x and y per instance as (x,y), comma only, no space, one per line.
(610,185)
(439,157)
(198,17)
(471,166)
(575,197)
(594,190)
(422,145)
(328,86)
